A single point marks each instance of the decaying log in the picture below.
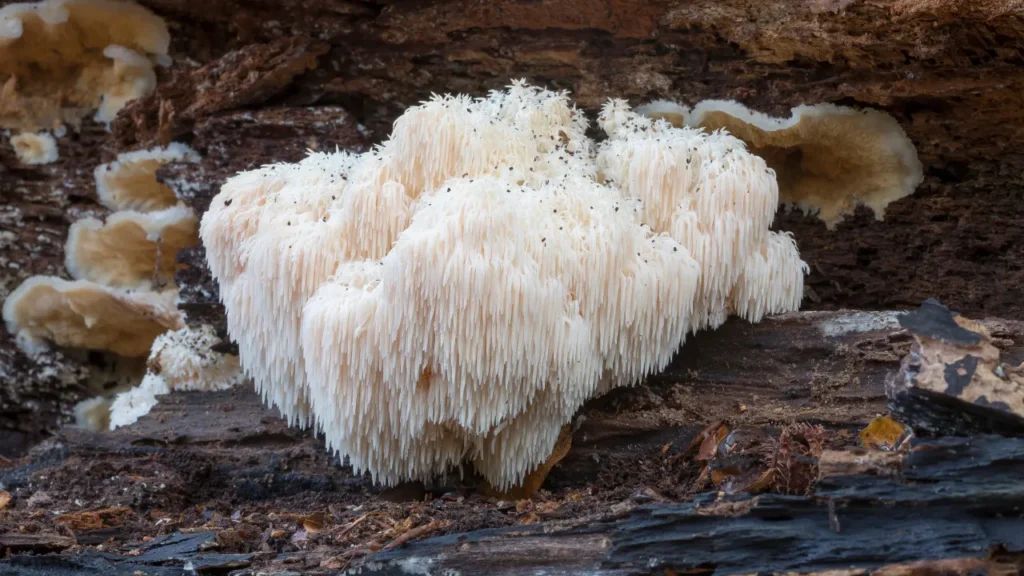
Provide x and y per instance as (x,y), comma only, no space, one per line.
(955,380)
(953,498)
(626,499)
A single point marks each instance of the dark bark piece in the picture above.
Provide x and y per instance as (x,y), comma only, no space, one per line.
(955,380)
(39,543)
(953,508)
(246,77)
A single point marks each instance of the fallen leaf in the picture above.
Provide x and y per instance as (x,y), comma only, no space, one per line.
(95,519)
(883,433)
(333,563)
(313,523)
(534,480)
(711,441)
(5,499)
(530,518)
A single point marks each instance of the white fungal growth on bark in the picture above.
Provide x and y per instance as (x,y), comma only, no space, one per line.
(457,293)
(179,360)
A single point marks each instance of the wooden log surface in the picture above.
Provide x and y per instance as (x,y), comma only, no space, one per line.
(627,494)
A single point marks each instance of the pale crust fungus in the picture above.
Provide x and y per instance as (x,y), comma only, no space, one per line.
(130,182)
(457,293)
(86,315)
(35,149)
(131,249)
(828,159)
(61,59)
(179,360)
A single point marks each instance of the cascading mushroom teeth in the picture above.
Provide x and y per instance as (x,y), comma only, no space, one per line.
(458,292)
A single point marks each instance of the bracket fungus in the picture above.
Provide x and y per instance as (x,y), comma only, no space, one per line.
(458,292)
(123,297)
(828,159)
(130,182)
(86,315)
(131,249)
(35,149)
(61,59)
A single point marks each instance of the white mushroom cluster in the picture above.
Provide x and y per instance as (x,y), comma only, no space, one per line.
(457,293)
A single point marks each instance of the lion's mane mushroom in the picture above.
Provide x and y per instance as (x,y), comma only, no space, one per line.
(458,292)
(179,360)
(716,199)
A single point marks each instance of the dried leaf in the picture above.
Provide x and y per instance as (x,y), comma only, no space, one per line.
(530,518)
(5,499)
(313,523)
(534,480)
(95,519)
(883,433)
(743,460)
(712,430)
(333,563)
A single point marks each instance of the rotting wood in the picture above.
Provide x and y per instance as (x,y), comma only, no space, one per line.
(629,473)
(955,379)
(954,499)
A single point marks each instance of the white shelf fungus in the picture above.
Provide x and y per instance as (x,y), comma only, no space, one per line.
(828,159)
(131,249)
(34,149)
(130,182)
(82,314)
(179,360)
(61,59)
(457,293)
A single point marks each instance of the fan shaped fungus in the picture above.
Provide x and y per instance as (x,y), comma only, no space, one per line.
(132,248)
(32,148)
(60,59)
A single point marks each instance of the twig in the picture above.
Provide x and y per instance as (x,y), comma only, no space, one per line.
(354,523)
(416,533)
